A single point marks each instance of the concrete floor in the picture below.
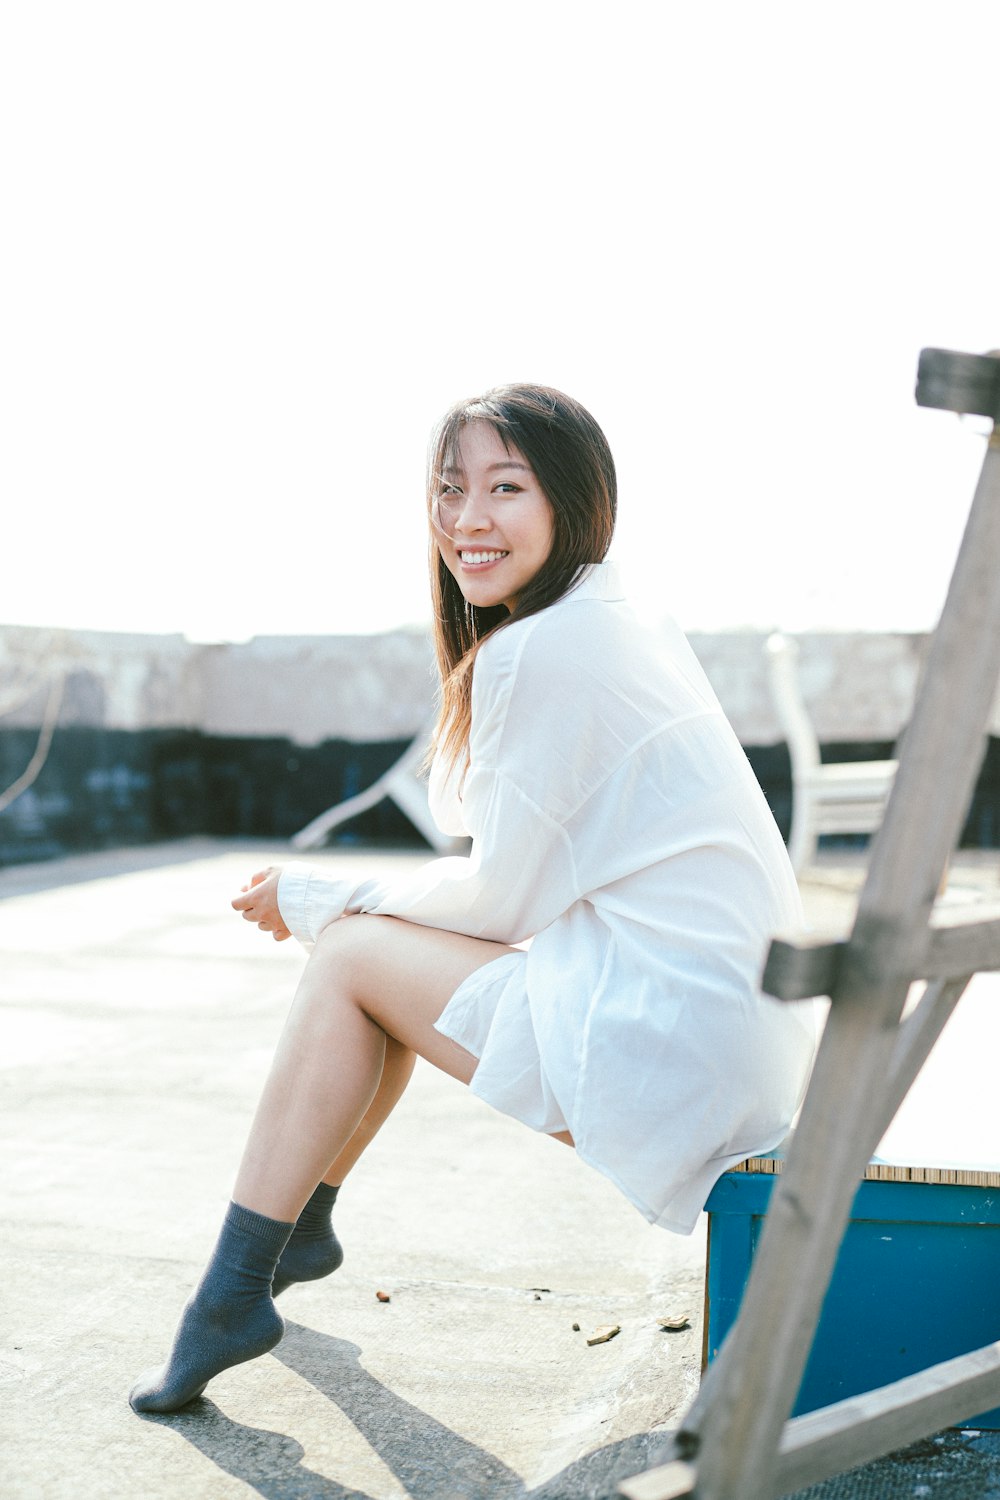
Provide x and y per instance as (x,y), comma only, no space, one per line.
(138,1016)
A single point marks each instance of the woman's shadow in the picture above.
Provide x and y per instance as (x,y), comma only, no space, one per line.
(430,1461)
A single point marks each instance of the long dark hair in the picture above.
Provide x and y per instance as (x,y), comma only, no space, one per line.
(572,462)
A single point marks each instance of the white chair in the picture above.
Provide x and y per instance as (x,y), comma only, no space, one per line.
(403,785)
(843,797)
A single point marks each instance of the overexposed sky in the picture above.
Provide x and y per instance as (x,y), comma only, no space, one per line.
(251,252)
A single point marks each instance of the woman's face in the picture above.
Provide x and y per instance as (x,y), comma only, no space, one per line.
(493,523)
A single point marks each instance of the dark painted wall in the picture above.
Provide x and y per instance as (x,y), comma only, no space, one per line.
(103,789)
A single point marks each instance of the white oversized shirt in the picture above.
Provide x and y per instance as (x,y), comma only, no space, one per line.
(616,822)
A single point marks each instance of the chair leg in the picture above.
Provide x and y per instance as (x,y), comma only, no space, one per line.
(802,838)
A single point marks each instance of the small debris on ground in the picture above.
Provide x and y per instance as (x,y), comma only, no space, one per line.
(604,1333)
(383,1296)
(538,1296)
(674,1325)
(576,1328)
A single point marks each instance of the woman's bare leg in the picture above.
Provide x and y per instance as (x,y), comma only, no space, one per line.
(314,1251)
(397,1069)
(367,978)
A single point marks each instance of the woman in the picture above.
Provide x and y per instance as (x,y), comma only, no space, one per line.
(615,821)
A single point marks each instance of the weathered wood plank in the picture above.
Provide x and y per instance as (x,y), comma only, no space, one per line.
(944,743)
(864,1427)
(799,969)
(915,1040)
(740,1427)
(962,940)
(852,1432)
(961,947)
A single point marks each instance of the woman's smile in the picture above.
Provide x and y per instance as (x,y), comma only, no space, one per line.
(481,559)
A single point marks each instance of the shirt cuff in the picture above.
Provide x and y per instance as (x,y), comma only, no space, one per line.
(308,901)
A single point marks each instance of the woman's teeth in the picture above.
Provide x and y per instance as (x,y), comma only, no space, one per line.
(471,559)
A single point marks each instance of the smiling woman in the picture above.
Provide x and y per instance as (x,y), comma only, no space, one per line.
(526,472)
(615,822)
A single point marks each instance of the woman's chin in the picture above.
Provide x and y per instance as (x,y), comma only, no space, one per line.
(490,603)
(481,596)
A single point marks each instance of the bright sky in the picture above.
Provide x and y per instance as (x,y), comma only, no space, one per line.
(252,250)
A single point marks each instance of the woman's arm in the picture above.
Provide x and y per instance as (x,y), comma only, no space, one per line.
(518,878)
(533,755)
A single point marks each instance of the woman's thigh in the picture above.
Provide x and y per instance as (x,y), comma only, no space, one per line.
(401,975)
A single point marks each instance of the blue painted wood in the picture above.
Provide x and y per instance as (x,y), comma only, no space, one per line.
(917,1281)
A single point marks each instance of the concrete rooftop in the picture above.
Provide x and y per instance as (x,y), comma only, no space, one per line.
(139,1014)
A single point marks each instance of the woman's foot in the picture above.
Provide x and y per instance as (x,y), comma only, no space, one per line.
(229,1319)
(314,1249)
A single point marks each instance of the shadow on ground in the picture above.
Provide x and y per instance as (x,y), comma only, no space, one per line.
(430,1461)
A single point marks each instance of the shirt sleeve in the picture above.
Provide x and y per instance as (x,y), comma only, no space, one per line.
(520,875)
(518,878)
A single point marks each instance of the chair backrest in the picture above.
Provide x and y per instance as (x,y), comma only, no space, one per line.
(782,658)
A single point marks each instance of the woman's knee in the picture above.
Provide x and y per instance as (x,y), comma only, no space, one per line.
(346,949)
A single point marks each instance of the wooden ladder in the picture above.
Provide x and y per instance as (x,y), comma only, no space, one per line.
(737,1442)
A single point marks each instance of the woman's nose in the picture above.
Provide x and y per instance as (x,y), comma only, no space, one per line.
(473,516)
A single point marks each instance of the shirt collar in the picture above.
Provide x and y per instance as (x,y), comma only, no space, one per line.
(598,581)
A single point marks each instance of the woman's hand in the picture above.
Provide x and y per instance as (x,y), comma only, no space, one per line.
(259,903)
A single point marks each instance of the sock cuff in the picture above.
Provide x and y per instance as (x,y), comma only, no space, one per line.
(324,1196)
(268,1231)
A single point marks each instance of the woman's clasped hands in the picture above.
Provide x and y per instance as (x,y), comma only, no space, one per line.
(258,902)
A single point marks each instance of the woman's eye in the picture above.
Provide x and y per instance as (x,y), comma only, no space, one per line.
(449,489)
(506,488)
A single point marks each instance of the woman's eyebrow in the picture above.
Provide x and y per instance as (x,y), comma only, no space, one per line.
(506,463)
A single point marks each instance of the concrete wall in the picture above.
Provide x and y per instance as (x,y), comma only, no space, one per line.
(859,687)
(377,687)
(305,689)
(157,737)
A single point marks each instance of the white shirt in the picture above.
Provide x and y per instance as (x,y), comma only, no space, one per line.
(616,822)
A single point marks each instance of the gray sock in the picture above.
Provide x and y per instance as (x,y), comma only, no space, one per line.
(313,1250)
(229,1318)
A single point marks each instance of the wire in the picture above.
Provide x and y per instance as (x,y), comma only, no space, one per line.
(45,734)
